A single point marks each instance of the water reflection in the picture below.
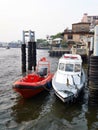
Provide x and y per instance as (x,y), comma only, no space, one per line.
(92,117)
(29,109)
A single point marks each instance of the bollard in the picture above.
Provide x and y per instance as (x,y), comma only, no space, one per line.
(34,55)
(31,51)
(23,50)
(30,56)
(93,71)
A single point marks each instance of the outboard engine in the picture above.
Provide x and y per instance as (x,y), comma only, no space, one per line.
(42,71)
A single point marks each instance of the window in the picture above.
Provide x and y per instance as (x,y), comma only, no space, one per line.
(61,66)
(82,28)
(69,67)
(77,67)
(70,36)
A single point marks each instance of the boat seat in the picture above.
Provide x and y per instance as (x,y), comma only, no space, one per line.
(33,78)
(42,72)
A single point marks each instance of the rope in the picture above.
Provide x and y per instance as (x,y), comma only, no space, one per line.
(46,87)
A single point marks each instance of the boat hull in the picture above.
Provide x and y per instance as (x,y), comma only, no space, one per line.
(67,93)
(67,99)
(27,91)
(70,98)
(30,89)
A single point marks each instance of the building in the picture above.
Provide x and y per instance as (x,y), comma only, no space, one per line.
(79,33)
(56,42)
(93,20)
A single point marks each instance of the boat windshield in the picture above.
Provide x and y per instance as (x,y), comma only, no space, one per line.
(77,67)
(70,67)
(61,66)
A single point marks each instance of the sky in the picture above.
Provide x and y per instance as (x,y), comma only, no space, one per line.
(44,17)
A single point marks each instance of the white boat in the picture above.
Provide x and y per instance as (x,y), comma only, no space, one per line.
(69,79)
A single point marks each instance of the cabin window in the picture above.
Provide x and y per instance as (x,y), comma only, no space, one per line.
(69,67)
(61,66)
(77,67)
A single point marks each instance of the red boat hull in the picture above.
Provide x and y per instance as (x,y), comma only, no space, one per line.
(30,86)
(28,93)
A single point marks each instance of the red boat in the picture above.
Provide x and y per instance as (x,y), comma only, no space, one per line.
(36,82)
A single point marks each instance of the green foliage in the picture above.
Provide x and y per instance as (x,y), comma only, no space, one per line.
(58,35)
(44,42)
(41,40)
(64,44)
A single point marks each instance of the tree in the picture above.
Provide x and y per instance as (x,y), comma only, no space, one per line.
(58,35)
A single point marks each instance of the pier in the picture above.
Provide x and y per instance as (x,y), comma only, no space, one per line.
(58,52)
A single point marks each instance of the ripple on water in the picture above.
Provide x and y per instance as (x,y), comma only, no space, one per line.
(43,112)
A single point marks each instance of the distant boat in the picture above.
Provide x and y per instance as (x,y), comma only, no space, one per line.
(7,47)
(69,79)
(34,83)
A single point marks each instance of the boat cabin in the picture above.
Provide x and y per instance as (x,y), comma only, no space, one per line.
(70,63)
(69,68)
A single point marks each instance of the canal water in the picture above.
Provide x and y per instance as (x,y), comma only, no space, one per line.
(43,112)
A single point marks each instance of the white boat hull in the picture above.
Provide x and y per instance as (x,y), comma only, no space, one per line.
(67,92)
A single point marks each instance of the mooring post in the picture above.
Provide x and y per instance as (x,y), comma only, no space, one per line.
(89,54)
(30,56)
(34,55)
(31,51)
(23,52)
(93,70)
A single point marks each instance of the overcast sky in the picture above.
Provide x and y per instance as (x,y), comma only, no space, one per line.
(45,17)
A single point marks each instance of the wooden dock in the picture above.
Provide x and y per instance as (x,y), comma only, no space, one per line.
(59,52)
